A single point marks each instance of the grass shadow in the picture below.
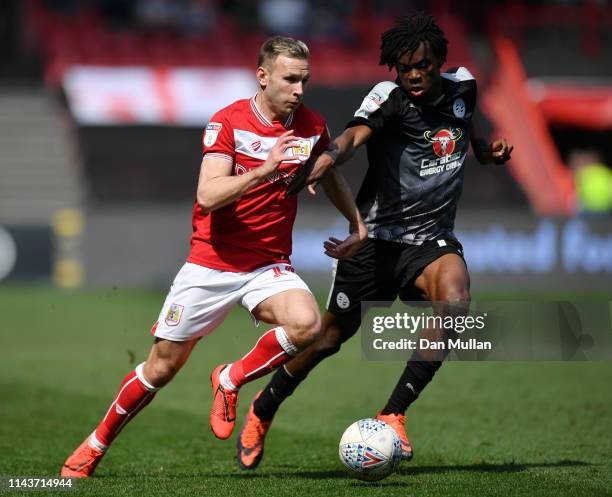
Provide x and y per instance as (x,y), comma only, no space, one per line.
(511,467)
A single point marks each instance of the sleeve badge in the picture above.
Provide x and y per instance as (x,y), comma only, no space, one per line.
(212,131)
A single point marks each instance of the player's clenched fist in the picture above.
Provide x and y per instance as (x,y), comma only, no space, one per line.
(498,151)
(501,150)
(278,153)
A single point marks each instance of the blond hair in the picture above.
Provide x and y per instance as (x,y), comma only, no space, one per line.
(282,45)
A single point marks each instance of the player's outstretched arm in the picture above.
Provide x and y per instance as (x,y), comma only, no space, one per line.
(339,151)
(344,146)
(217,187)
(338,191)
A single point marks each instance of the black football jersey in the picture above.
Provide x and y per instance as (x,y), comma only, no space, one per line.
(415,159)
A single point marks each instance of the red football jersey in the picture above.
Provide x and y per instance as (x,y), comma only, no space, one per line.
(255,229)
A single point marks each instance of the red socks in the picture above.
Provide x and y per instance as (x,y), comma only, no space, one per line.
(272,350)
(134,394)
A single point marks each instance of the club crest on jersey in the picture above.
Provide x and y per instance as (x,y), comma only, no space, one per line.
(459,107)
(212,131)
(443,141)
(173,316)
(301,150)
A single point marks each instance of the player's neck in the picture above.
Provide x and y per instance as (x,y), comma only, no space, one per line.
(266,109)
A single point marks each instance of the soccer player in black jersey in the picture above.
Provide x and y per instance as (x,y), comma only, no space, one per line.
(416,130)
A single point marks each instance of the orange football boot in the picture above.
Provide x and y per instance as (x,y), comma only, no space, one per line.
(397,422)
(83,461)
(223,411)
(250,444)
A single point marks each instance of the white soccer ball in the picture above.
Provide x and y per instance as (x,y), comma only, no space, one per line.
(370,449)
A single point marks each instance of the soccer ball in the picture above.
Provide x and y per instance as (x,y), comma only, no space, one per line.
(370,449)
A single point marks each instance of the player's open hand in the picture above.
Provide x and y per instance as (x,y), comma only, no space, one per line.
(500,151)
(278,153)
(343,249)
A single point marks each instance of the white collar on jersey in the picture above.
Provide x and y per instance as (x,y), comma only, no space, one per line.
(263,119)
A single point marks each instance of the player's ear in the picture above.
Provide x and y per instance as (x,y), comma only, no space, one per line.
(262,75)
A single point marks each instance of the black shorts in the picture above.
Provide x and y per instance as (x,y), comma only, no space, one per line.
(382,270)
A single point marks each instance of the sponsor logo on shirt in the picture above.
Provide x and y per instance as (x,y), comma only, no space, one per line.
(301,150)
(443,141)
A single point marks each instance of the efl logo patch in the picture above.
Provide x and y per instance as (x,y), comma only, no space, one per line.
(173,316)
(212,131)
(301,150)
(371,104)
(376,98)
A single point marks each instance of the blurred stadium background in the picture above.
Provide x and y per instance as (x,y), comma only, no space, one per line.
(102,107)
(103,102)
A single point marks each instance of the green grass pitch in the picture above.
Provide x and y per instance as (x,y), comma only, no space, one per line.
(480,429)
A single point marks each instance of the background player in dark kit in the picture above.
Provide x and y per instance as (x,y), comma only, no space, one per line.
(417,131)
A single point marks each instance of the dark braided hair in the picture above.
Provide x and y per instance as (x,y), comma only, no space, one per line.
(407,35)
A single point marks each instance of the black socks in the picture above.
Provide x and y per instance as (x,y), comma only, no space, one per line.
(417,374)
(278,389)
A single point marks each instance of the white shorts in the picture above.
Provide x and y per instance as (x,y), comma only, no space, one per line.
(200,298)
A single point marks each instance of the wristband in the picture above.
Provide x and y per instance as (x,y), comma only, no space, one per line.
(333,153)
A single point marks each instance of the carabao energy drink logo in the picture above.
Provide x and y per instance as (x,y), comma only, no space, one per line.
(443,141)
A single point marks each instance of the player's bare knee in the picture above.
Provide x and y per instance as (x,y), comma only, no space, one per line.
(160,371)
(456,300)
(304,328)
(453,294)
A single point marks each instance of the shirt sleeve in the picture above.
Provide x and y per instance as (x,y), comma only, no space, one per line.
(322,143)
(464,78)
(377,107)
(218,140)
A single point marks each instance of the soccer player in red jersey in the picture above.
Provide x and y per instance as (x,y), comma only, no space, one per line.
(240,247)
